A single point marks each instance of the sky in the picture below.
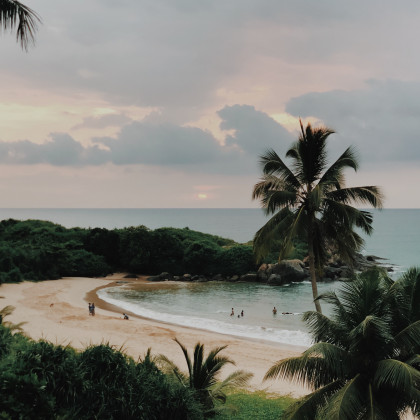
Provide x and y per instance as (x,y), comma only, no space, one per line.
(170,103)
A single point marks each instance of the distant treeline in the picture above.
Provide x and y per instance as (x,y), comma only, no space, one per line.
(39,250)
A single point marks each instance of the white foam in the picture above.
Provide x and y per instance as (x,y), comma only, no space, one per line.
(298,338)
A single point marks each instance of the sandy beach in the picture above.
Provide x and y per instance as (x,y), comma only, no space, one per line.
(57,311)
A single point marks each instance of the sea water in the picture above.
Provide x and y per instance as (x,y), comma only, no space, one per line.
(208,306)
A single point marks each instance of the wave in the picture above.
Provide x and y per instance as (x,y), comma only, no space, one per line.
(276,335)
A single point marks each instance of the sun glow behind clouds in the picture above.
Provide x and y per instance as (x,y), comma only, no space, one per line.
(202,196)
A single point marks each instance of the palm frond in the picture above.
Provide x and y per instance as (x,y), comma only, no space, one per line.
(14,14)
(305,370)
(307,408)
(277,227)
(333,176)
(272,164)
(396,375)
(348,402)
(408,339)
(368,195)
(187,357)
(324,329)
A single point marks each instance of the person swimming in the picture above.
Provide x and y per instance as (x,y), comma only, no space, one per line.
(274,310)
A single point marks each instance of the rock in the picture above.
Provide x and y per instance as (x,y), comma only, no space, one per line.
(154,278)
(234,278)
(165,276)
(290,271)
(186,277)
(250,277)
(275,280)
(217,277)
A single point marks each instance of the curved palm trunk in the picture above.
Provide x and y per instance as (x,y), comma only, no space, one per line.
(312,269)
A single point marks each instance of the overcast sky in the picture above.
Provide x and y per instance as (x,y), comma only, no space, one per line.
(169,103)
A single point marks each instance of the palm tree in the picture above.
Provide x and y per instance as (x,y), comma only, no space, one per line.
(365,362)
(203,375)
(311,202)
(14,14)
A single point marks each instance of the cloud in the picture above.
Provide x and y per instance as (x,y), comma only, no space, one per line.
(103,121)
(381,120)
(137,143)
(255,131)
(162,144)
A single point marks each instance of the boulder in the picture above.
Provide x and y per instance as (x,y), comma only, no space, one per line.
(165,276)
(275,280)
(154,278)
(235,277)
(290,271)
(250,277)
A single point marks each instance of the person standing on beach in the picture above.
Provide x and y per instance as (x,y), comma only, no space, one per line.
(90,308)
(93,309)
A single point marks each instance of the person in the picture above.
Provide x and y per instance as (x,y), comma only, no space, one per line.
(90,308)
(232,313)
(125,316)
(93,309)
(242,312)
(274,310)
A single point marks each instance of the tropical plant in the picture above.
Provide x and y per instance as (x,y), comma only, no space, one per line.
(203,375)
(6,311)
(365,362)
(310,201)
(14,14)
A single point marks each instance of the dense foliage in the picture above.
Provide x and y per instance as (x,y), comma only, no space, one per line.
(365,362)
(39,380)
(38,250)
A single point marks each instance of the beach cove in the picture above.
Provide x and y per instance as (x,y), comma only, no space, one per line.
(57,311)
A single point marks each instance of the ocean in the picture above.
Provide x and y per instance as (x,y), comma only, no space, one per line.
(208,306)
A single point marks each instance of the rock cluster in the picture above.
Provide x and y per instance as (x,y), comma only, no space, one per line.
(284,272)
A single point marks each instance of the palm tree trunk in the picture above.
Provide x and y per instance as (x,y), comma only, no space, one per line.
(312,270)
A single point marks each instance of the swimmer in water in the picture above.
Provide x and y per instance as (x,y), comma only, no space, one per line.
(274,310)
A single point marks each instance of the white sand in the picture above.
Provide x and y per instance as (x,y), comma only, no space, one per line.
(57,310)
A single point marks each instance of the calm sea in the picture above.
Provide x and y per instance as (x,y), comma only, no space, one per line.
(208,306)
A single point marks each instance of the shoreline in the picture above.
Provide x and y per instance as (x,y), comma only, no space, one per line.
(57,311)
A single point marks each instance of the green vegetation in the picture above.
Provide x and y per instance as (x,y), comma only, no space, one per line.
(310,202)
(39,250)
(255,405)
(40,380)
(365,362)
(202,376)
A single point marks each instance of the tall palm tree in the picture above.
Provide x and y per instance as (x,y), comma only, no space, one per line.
(311,201)
(203,375)
(14,14)
(365,362)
